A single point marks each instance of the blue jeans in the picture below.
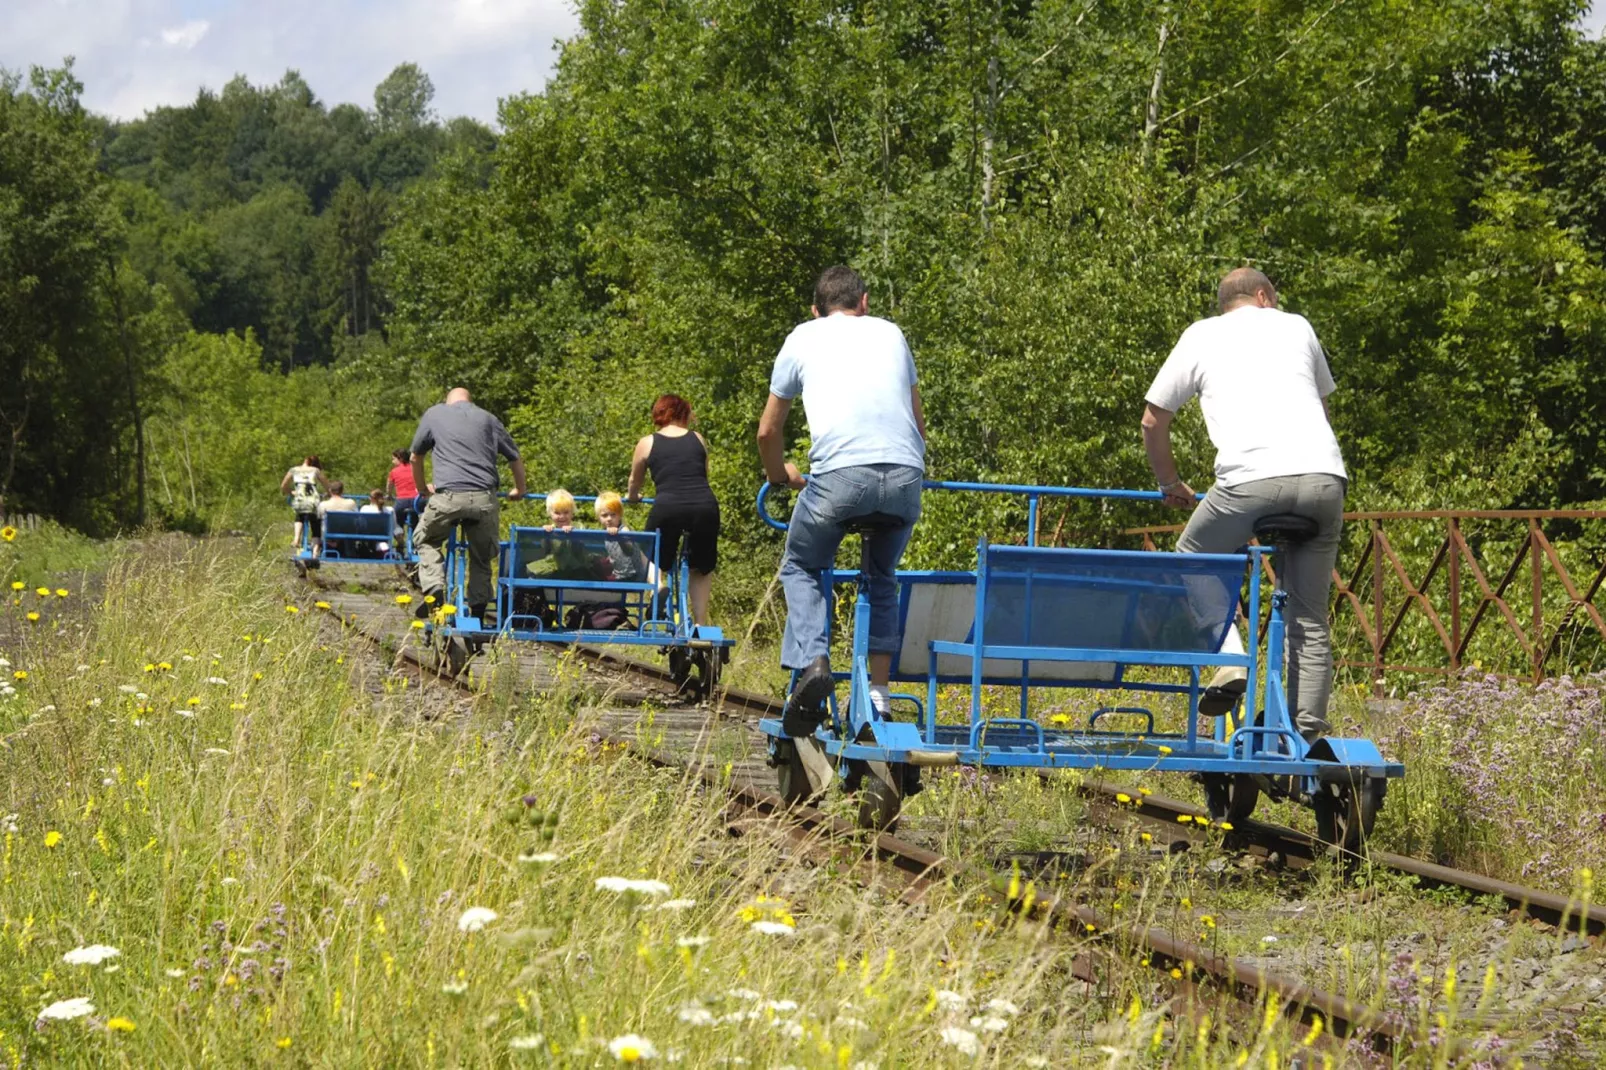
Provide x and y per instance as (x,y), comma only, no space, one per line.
(830,503)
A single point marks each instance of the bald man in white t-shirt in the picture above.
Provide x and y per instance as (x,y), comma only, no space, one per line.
(1262,381)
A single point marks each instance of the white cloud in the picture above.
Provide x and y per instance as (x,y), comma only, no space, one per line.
(186,36)
(134,55)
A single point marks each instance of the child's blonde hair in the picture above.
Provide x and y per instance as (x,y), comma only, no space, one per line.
(559,499)
(609,501)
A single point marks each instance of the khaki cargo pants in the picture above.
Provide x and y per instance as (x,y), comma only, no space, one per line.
(479,515)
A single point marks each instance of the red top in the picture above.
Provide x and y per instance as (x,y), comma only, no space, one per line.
(402,477)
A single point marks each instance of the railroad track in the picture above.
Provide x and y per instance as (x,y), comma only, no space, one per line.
(628,684)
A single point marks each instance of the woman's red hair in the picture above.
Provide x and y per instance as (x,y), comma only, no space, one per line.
(671,409)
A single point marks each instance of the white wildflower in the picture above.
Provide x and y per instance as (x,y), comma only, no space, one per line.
(173,971)
(990,1024)
(865,1064)
(692,941)
(1001,1006)
(951,1001)
(695,1014)
(5,663)
(76,1007)
(128,689)
(742,993)
(791,1030)
(474,919)
(217,681)
(967,1042)
(1268,939)
(93,955)
(142,696)
(216,750)
(47,709)
(94,702)
(638,887)
(527,1043)
(672,904)
(1039,1062)
(185,713)
(779,1006)
(848,1022)
(229,882)
(631,1048)
(9,823)
(81,668)
(455,988)
(540,858)
(188,657)
(773,928)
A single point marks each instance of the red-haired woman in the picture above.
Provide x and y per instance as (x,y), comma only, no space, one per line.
(684,507)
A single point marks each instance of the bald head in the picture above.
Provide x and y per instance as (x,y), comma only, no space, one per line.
(456,394)
(1245,286)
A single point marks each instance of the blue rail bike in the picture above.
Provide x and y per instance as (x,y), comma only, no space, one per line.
(1113,623)
(351,537)
(584,586)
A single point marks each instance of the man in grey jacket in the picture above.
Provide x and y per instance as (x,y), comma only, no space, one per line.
(466,440)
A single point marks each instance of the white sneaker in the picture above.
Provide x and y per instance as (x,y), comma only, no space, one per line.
(880,698)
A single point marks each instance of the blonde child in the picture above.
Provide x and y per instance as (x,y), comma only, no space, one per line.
(560,510)
(628,559)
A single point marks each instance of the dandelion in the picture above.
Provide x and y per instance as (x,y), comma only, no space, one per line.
(1060,719)
(773,928)
(1200,820)
(321,605)
(1145,792)
(1207,921)
(195,700)
(20,674)
(52,838)
(418,625)
(42,592)
(404,600)
(530,1042)
(1176,974)
(1163,749)
(33,618)
(18,585)
(1183,819)
(120,1025)
(967,1042)
(692,941)
(1224,826)
(282,1043)
(632,1049)
(62,592)
(1146,837)
(292,610)
(1122,797)
(8,533)
(93,955)
(474,919)
(540,858)
(637,887)
(63,1009)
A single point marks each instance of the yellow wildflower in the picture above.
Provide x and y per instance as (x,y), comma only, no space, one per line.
(291,609)
(321,605)
(33,617)
(418,625)
(120,1025)
(8,533)
(18,585)
(1122,797)
(193,701)
(52,838)
(42,592)
(282,1043)
(1163,749)
(165,666)
(62,592)
(20,674)
(404,600)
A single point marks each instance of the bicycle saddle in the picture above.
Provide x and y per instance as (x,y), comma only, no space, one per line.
(1284,529)
(872,523)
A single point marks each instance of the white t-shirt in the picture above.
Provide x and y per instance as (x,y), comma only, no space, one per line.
(338,503)
(856,376)
(1260,375)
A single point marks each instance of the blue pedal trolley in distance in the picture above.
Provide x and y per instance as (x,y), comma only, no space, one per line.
(582,586)
(351,537)
(1033,618)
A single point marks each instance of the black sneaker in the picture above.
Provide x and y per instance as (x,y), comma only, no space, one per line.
(425,607)
(477,611)
(806,709)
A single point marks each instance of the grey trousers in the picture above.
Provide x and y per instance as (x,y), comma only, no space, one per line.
(480,515)
(1225,520)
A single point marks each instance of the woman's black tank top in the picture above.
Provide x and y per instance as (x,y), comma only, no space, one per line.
(679,467)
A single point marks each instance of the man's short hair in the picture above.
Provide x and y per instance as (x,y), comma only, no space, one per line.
(838,287)
(1240,285)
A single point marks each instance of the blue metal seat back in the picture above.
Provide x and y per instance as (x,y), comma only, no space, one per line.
(355,534)
(583,566)
(1121,601)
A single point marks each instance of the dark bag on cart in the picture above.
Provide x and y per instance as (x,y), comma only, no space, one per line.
(596,617)
(531,602)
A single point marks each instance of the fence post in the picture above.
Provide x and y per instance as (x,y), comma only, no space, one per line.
(1377,609)
(1539,601)
(1455,595)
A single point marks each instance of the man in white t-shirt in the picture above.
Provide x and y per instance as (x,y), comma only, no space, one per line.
(867,452)
(1262,381)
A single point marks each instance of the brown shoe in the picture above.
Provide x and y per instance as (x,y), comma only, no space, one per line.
(1226,690)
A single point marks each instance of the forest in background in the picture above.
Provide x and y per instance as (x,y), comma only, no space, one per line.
(1042,194)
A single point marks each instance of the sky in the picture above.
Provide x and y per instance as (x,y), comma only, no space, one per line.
(133,55)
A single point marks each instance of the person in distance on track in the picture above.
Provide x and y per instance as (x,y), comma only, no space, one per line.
(301,482)
(856,377)
(685,513)
(466,440)
(1262,381)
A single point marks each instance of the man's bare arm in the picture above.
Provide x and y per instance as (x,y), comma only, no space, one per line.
(920,412)
(1157,444)
(772,443)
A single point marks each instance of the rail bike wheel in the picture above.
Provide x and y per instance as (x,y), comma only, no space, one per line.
(1230,797)
(1345,814)
(706,666)
(878,787)
(680,667)
(803,771)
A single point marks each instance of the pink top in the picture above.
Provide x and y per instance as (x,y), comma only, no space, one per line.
(402,477)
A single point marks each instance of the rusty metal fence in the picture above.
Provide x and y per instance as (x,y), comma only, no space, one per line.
(1438,592)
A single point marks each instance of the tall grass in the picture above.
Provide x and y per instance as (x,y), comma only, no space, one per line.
(303,858)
